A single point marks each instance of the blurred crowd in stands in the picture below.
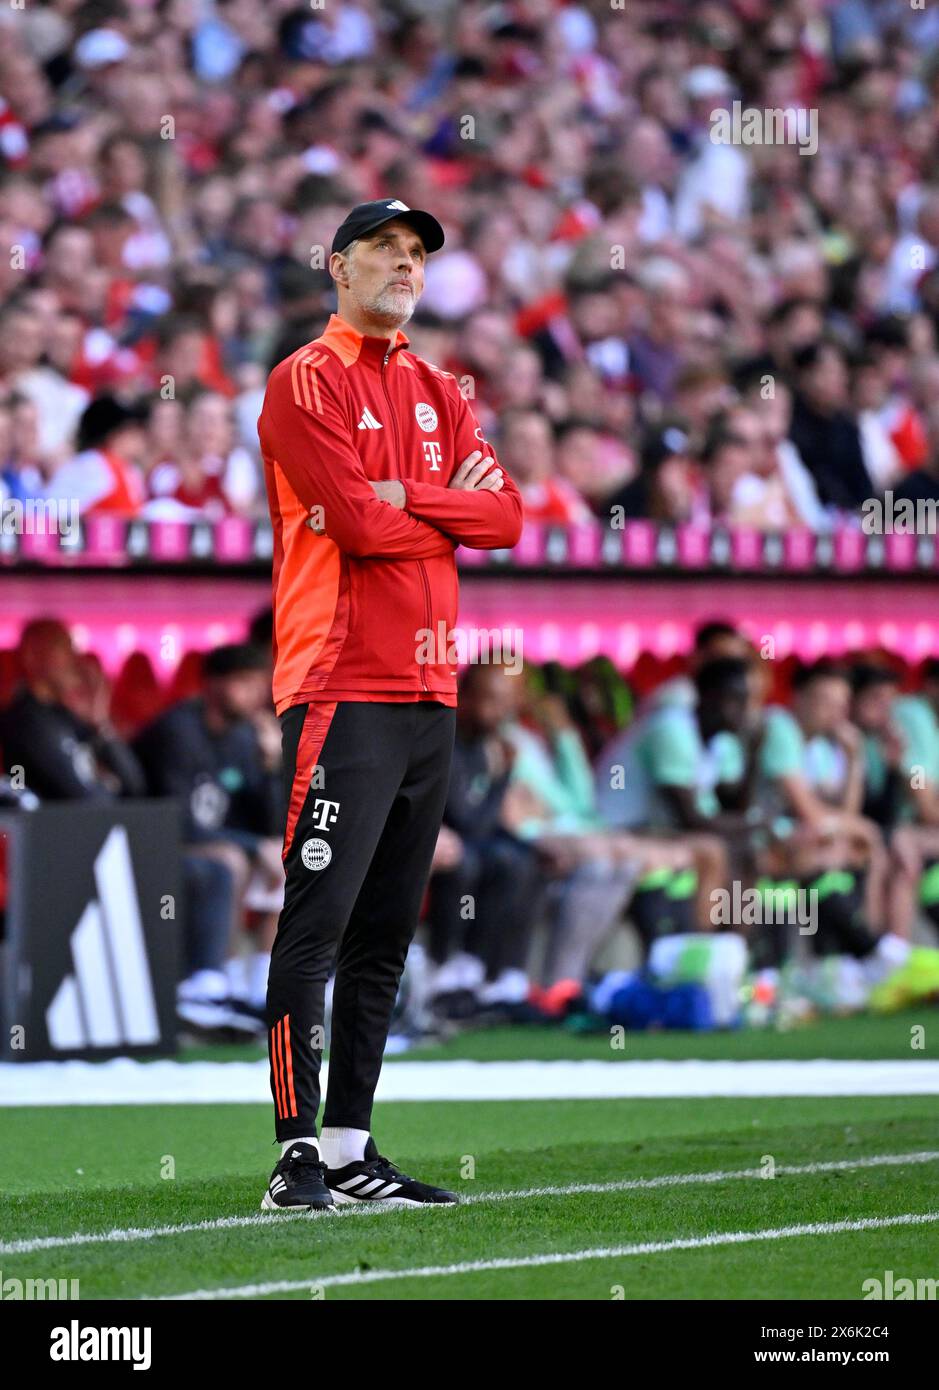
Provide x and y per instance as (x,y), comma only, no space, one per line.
(644,318)
(581,802)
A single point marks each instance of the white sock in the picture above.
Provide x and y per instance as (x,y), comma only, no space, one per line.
(202,985)
(893,949)
(342,1146)
(312,1139)
(461,971)
(511,987)
(891,952)
(237,977)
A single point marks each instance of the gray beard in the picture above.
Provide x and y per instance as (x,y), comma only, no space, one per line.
(386,308)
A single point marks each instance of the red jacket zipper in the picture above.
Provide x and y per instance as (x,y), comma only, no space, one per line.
(427,614)
(397,460)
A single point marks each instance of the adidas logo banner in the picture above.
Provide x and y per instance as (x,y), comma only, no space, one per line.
(369,422)
(93,922)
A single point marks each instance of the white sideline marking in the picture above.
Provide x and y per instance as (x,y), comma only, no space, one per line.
(226,1223)
(127,1082)
(613,1252)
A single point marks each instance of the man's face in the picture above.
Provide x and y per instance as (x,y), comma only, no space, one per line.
(209,425)
(721,644)
(23,341)
(674,485)
(871,388)
(129,442)
(871,709)
(71,253)
(698,402)
(127,167)
(730,706)
(668,313)
(64,341)
(61,667)
(803,325)
(25,429)
(774,415)
(579,462)
(748,429)
(528,448)
(184,355)
(48,658)
(827,383)
(384,274)
(731,463)
(486,341)
(240,695)
(824,705)
(493,699)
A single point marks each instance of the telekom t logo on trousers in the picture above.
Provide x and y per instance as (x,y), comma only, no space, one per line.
(323,819)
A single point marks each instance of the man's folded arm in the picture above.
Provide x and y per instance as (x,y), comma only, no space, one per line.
(303,427)
(481,519)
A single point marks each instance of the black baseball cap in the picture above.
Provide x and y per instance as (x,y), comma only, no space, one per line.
(367,216)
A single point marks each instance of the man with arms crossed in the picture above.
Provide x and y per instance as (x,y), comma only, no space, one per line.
(376,469)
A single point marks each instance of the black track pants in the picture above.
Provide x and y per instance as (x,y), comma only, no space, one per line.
(366,786)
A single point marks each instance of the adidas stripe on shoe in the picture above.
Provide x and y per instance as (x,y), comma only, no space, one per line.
(377,1179)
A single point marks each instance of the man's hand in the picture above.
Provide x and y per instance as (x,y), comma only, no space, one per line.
(552,713)
(448,851)
(89,696)
(848,737)
(473,474)
(267,729)
(391,491)
(388,491)
(500,756)
(893,745)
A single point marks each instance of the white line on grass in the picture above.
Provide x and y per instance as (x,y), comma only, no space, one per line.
(225,1223)
(125,1081)
(561,1257)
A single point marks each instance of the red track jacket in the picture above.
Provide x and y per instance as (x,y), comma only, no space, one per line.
(352,607)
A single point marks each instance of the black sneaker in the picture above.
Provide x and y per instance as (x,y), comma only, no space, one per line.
(376,1179)
(455,1005)
(218,1019)
(298,1183)
(252,1017)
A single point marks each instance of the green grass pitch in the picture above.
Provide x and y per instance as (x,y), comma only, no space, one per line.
(91,1170)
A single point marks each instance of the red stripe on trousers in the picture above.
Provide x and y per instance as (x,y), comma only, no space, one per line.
(276,1068)
(291,1093)
(312,737)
